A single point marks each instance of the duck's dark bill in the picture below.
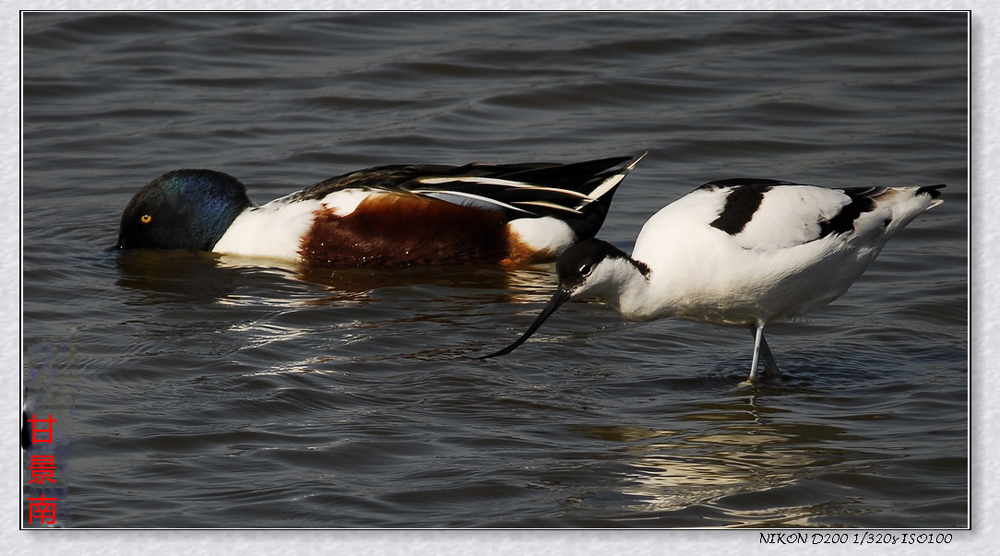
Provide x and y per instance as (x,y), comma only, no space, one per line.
(561,296)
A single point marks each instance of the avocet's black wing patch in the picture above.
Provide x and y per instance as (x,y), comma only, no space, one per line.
(743,199)
(862,199)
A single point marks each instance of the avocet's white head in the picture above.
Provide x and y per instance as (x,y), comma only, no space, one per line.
(589,268)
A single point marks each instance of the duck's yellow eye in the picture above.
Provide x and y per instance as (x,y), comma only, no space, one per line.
(145,219)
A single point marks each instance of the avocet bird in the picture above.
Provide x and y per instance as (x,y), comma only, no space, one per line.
(384,216)
(741,252)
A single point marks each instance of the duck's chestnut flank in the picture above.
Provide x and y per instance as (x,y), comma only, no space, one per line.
(394,230)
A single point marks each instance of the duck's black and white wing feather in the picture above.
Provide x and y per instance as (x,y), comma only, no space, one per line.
(527,189)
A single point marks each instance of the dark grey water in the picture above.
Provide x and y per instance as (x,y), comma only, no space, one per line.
(192,391)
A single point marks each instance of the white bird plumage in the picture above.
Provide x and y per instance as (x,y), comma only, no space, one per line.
(741,252)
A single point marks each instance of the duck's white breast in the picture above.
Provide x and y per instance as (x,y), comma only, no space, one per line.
(273,230)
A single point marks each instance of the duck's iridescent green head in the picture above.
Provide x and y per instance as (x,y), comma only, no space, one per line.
(183,209)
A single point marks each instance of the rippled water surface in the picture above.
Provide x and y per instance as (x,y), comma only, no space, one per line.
(204,391)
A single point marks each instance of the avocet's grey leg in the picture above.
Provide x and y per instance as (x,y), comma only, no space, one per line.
(760,348)
(758,336)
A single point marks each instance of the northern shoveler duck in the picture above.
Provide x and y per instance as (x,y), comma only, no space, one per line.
(741,252)
(384,216)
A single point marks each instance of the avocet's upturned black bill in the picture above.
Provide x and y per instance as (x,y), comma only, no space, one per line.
(740,252)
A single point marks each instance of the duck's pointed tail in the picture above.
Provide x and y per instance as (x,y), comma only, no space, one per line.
(600,191)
